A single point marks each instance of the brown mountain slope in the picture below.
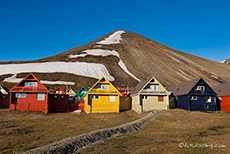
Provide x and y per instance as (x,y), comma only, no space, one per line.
(142,57)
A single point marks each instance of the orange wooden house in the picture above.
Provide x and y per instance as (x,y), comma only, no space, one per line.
(58,101)
(29,95)
(223,93)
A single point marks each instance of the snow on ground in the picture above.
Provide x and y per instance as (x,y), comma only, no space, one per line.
(122,65)
(223,61)
(13,79)
(183,72)
(92,70)
(103,53)
(76,56)
(115,38)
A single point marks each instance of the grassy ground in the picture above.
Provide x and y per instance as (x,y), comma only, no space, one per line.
(21,131)
(169,130)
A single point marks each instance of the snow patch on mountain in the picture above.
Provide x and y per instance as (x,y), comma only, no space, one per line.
(183,72)
(226,61)
(104,53)
(76,56)
(92,70)
(14,79)
(115,38)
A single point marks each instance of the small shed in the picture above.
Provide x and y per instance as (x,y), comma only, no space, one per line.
(223,93)
(58,101)
(4,97)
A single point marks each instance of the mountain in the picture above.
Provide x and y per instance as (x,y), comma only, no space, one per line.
(123,57)
(226,61)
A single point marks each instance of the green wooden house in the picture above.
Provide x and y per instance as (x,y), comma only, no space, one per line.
(79,95)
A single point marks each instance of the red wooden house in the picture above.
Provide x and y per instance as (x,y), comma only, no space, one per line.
(223,93)
(29,95)
(58,101)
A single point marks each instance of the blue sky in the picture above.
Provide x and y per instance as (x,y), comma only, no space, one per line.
(33,29)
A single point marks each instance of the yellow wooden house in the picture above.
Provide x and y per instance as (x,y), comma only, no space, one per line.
(102,97)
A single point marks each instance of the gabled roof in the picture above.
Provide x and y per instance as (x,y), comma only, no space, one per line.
(105,81)
(140,86)
(30,76)
(58,89)
(79,92)
(4,90)
(185,87)
(223,89)
(70,90)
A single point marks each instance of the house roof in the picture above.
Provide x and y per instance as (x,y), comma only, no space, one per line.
(185,87)
(107,81)
(44,89)
(140,86)
(4,90)
(223,89)
(70,90)
(58,89)
(79,92)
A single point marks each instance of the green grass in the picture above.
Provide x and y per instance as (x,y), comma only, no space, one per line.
(21,131)
(170,128)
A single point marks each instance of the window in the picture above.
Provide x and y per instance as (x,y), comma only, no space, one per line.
(70,98)
(60,92)
(96,96)
(99,86)
(17,95)
(23,95)
(201,88)
(160,98)
(112,98)
(62,96)
(91,96)
(106,86)
(27,84)
(193,97)
(155,87)
(79,97)
(56,92)
(41,96)
(35,84)
(148,87)
(206,106)
(3,96)
(208,99)
(145,97)
(55,96)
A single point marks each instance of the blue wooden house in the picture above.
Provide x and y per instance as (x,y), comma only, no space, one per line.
(195,95)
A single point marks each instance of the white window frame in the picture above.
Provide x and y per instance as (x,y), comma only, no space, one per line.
(96,96)
(106,87)
(27,84)
(17,95)
(23,95)
(112,98)
(35,84)
(41,96)
(193,98)
(209,99)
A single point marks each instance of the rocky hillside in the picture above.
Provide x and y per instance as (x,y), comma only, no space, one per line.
(123,57)
(226,61)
